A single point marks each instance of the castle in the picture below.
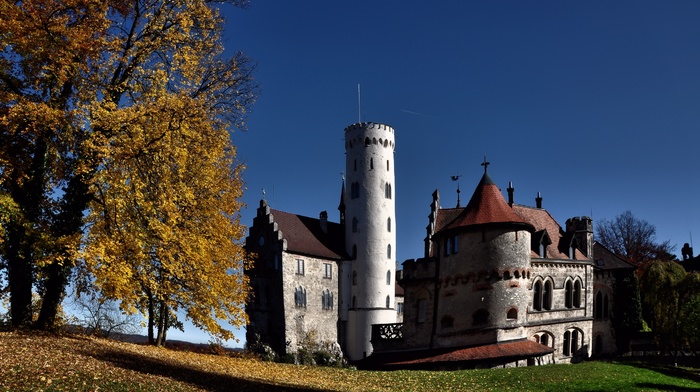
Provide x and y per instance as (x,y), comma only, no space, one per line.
(499,283)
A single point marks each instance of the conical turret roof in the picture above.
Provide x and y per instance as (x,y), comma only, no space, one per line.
(487,207)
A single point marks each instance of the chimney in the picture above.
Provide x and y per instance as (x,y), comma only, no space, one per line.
(510,193)
(538,200)
(324,221)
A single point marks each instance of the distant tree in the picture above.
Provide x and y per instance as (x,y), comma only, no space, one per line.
(633,238)
(102,317)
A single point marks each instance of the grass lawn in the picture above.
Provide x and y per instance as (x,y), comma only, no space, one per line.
(39,362)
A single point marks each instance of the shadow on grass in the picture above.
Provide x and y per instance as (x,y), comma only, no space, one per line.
(203,379)
(688,368)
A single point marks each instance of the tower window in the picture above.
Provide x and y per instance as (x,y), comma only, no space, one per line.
(327,270)
(388,224)
(371,163)
(512,314)
(354,190)
(327,300)
(387,190)
(388,277)
(388,302)
(388,251)
(354,278)
(300,266)
(387,165)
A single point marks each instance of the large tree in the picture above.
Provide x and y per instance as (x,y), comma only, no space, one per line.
(81,84)
(633,238)
(670,293)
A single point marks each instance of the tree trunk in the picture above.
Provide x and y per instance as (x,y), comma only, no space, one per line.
(162,310)
(20,278)
(151,318)
(69,221)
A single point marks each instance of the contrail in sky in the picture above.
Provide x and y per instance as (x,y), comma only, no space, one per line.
(417,114)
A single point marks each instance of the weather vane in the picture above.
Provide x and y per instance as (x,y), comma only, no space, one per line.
(485,164)
(456,178)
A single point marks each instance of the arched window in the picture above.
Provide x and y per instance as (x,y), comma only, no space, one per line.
(367,142)
(568,296)
(566,344)
(577,294)
(537,296)
(571,342)
(388,251)
(512,314)
(388,224)
(544,339)
(598,304)
(547,295)
(388,277)
(606,313)
(388,302)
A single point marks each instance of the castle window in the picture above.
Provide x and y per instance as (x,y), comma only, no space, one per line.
(327,300)
(605,306)
(455,245)
(355,190)
(571,342)
(480,317)
(544,339)
(354,302)
(354,278)
(387,190)
(387,164)
(421,310)
(512,314)
(569,295)
(388,251)
(367,142)
(537,296)
(388,277)
(388,302)
(577,294)
(547,295)
(447,247)
(388,224)
(300,297)
(371,164)
(447,321)
(542,295)
(399,307)
(300,266)
(327,270)
(354,224)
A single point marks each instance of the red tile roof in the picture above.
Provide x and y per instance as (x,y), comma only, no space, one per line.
(304,235)
(487,206)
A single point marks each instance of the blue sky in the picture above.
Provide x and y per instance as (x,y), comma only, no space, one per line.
(594,104)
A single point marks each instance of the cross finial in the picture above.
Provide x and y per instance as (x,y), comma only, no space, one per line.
(485,164)
(263,192)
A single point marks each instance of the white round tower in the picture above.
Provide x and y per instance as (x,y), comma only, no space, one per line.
(370,234)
